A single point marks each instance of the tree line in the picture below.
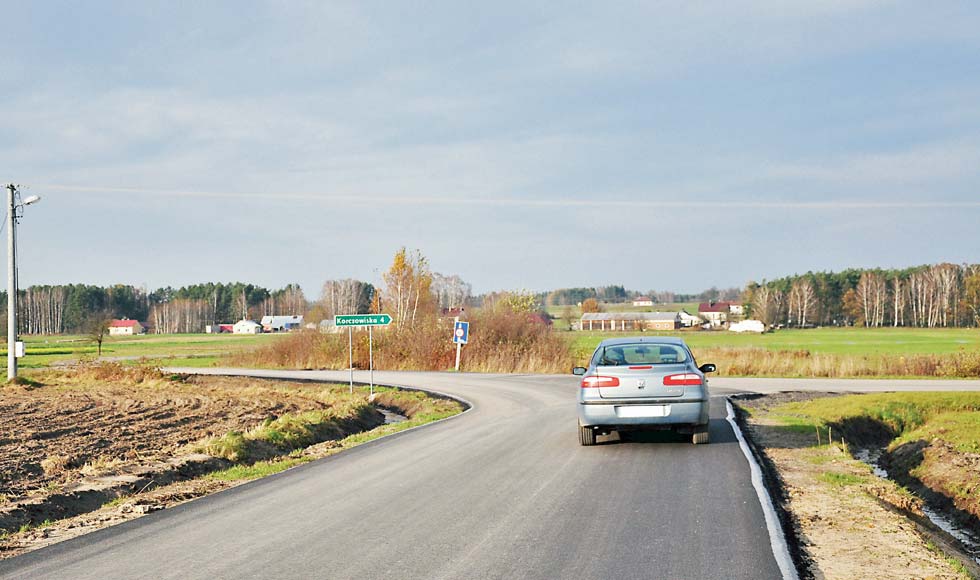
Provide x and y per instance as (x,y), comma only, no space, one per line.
(411,290)
(70,308)
(928,296)
(939,295)
(617,294)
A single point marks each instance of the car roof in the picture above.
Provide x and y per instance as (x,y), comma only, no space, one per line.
(649,339)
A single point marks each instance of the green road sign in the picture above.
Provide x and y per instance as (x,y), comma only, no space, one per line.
(362,320)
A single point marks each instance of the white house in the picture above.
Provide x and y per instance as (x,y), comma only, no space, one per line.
(642,301)
(281,323)
(719,313)
(126,327)
(247,327)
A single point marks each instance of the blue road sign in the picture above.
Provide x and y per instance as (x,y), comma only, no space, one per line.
(461,332)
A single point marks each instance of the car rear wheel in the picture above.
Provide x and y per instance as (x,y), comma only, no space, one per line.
(700,437)
(586,435)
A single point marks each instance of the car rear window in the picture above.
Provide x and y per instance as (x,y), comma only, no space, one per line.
(642,354)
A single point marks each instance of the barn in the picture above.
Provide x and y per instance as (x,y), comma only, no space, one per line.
(623,321)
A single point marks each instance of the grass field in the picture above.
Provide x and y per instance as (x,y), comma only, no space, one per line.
(820,352)
(848,341)
(173,349)
(824,352)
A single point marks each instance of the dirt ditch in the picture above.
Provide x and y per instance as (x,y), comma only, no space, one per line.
(846,522)
(91,447)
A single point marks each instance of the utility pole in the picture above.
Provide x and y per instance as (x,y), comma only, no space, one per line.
(11,282)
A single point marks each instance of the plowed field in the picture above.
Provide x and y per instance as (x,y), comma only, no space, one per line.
(87,422)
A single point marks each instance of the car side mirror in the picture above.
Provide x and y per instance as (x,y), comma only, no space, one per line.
(707,368)
(579,371)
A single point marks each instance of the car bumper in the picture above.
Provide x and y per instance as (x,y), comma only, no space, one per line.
(639,413)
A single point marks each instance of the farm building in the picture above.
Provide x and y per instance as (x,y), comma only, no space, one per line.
(219,328)
(642,301)
(247,327)
(719,313)
(281,323)
(126,327)
(623,321)
(689,319)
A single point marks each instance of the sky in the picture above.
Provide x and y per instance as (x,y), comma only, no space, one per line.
(520,145)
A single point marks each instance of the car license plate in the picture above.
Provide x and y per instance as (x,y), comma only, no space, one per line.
(643,411)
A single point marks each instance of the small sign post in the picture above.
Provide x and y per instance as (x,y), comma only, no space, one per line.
(370,321)
(461,335)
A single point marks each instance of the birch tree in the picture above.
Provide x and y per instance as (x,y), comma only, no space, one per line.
(872,293)
(451,291)
(898,296)
(408,286)
(802,300)
(346,296)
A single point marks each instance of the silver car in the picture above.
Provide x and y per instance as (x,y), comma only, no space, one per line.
(643,383)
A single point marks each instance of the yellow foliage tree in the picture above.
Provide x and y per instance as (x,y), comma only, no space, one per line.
(408,287)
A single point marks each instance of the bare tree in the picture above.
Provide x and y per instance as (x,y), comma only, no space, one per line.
(347,296)
(180,316)
(899,292)
(872,291)
(947,277)
(971,295)
(802,300)
(97,327)
(451,291)
(241,302)
(289,301)
(766,304)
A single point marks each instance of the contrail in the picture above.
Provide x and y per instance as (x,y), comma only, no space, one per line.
(346,199)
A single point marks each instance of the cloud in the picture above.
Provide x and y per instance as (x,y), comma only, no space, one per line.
(421,201)
(921,168)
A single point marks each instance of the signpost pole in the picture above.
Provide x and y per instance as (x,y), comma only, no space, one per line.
(371,356)
(459,347)
(370,321)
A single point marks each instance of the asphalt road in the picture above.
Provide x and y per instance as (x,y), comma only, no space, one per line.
(502,491)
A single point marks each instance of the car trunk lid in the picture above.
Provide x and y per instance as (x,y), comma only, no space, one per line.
(641,381)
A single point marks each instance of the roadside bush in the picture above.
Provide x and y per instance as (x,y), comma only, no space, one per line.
(501,341)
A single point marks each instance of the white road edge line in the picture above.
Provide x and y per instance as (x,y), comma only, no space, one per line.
(780,550)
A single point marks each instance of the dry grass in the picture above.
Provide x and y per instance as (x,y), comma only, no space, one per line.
(501,341)
(54,465)
(100,466)
(758,362)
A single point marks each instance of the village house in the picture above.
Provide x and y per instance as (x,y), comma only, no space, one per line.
(281,323)
(718,314)
(642,301)
(126,327)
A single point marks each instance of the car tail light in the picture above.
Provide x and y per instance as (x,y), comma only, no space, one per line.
(682,380)
(599,382)
(641,368)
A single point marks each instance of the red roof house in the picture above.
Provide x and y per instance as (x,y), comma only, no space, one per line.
(126,327)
